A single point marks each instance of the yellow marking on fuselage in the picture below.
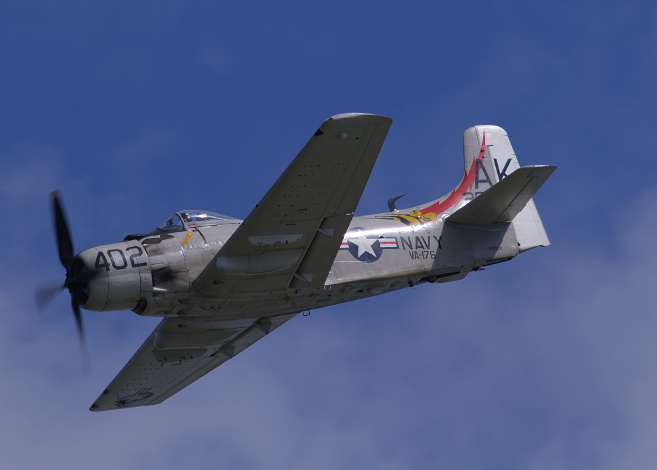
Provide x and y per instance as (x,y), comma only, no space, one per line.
(416,218)
(186,238)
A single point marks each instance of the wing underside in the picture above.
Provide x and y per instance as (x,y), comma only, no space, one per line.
(177,353)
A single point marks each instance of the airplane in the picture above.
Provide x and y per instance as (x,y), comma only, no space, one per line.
(221,284)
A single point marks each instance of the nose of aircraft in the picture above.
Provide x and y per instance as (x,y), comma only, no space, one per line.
(102,278)
(77,280)
(87,283)
(107,277)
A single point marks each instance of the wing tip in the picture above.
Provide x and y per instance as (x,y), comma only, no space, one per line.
(345,116)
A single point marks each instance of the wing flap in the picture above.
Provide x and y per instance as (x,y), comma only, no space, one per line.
(327,240)
(505,199)
(154,374)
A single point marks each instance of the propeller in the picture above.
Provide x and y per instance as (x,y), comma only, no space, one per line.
(77,275)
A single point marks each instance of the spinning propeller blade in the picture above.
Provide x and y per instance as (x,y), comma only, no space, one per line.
(76,275)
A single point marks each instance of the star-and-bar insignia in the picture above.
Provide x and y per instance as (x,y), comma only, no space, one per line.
(366,248)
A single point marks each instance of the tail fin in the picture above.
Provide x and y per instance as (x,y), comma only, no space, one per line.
(489,158)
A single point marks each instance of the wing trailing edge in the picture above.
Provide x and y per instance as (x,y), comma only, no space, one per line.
(503,201)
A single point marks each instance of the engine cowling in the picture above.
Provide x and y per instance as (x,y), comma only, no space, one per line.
(116,275)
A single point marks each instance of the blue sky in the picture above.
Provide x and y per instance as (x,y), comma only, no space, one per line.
(136,110)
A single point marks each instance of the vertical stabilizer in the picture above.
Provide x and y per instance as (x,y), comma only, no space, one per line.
(488,158)
(499,160)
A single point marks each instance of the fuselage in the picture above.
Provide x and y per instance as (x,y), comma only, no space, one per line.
(154,274)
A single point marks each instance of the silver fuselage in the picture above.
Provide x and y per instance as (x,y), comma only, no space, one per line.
(380,253)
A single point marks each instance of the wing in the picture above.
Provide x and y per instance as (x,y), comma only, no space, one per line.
(292,236)
(178,352)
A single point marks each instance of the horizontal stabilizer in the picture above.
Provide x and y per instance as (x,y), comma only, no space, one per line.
(504,200)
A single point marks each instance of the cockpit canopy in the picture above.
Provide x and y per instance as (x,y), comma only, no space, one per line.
(184,220)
